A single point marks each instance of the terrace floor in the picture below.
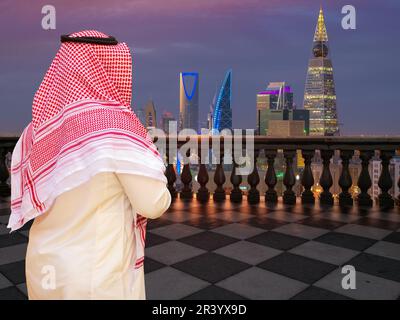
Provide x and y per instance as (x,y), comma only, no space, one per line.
(228,251)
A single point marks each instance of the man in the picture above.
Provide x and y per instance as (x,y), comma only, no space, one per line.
(86,170)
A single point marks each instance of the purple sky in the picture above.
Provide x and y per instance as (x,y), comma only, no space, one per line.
(261,40)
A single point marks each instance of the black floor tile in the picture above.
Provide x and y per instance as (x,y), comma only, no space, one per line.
(377,223)
(11,239)
(211,267)
(263,222)
(151,265)
(27,225)
(297,267)
(154,239)
(377,266)
(214,293)
(208,240)
(393,237)
(346,241)
(315,293)
(5,212)
(206,222)
(210,208)
(277,240)
(319,222)
(11,293)
(157,223)
(255,209)
(15,272)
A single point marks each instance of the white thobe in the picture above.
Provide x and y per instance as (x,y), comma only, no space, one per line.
(84,246)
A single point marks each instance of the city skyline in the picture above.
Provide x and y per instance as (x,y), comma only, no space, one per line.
(267,42)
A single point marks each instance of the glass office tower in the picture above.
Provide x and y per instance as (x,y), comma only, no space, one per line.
(319,93)
(222,113)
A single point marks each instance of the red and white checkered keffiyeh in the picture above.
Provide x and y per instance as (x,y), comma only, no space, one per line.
(82,124)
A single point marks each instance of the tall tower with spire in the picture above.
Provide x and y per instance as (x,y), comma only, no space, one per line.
(319,93)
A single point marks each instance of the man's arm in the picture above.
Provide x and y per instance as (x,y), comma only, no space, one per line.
(149,197)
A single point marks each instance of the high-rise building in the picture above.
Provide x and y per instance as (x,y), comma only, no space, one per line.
(189,101)
(211,111)
(286,128)
(395,174)
(166,118)
(141,115)
(277,96)
(319,93)
(375,170)
(267,116)
(150,114)
(222,112)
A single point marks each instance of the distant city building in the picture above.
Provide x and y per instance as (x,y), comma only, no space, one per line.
(150,114)
(211,111)
(395,173)
(189,101)
(319,93)
(375,170)
(166,118)
(267,116)
(286,128)
(277,96)
(141,115)
(222,112)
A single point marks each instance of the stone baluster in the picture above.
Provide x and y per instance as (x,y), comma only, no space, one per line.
(307,179)
(345,181)
(364,180)
(398,198)
(203,195)
(271,195)
(171,177)
(253,180)
(186,178)
(385,181)
(219,179)
(289,197)
(326,180)
(4,174)
(236,194)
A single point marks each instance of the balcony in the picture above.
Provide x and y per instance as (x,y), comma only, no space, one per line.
(218,242)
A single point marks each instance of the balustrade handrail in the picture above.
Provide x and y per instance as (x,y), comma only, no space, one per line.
(366,145)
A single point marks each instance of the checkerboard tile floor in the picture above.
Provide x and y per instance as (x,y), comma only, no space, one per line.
(229,251)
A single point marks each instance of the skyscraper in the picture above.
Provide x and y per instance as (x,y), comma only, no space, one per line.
(319,93)
(277,97)
(166,118)
(141,115)
(150,114)
(268,116)
(222,112)
(189,101)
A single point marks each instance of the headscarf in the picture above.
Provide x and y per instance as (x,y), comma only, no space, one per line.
(82,124)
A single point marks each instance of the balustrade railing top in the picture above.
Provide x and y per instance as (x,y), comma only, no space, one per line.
(366,145)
